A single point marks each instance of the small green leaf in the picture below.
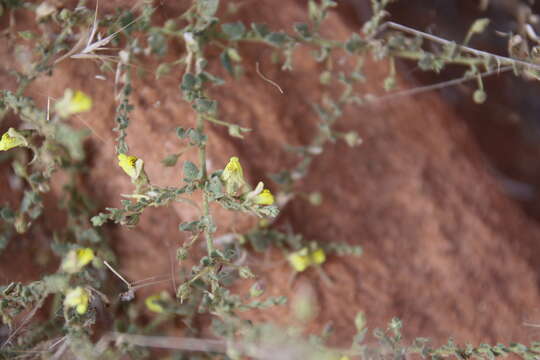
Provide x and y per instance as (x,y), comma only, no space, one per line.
(189,82)
(215,187)
(303,31)
(205,106)
(206,76)
(226,62)
(190,226)
(99,220)
(314,12)
(181,132)
(355,44)
(276,38)
(234,55)
(162,70)
(479,26)
(245,273)
(260,29)
(207,222)
(325,78)
(27,35)
(207,8)
(7,214)
(196,137)
(158,43)
(170,160)
(234,31)
(360,321)
(191,172)
(256,290)
(182,254)
(183,292)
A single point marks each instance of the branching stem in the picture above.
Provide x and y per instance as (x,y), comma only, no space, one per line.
(204,179)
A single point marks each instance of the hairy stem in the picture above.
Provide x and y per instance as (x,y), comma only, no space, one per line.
(204,178)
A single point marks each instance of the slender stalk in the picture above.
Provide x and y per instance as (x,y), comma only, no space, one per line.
(458,60)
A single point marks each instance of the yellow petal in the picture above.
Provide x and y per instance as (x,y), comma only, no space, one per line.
(232,169)
(318,256)
(80,102)
(152,303)
(12,138)
(73,103)
(75,260)
(264,198)
(300,260)
(84,256)
(77,298)
(233,176)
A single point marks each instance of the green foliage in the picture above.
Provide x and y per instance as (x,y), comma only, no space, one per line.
(44,144)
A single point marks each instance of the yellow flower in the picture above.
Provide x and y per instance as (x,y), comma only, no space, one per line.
(12,138)
(300,260)
(153,303)
(73,103)
(77,298)
(75,260)
(318,256)
(233,176)
(264,198)
(130,164)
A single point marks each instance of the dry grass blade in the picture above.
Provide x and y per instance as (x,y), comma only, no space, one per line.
(88,50)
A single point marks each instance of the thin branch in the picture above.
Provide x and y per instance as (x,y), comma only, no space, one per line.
(128,284)
(503,59)
(437,86)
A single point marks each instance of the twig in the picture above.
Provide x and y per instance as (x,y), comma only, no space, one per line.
(164,342)
(24,322)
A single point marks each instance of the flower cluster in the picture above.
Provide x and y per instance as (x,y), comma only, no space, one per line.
(302,259)
(134,167)
(235,184)
(73,103)
(77,298)
(129,164)
(75,260)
